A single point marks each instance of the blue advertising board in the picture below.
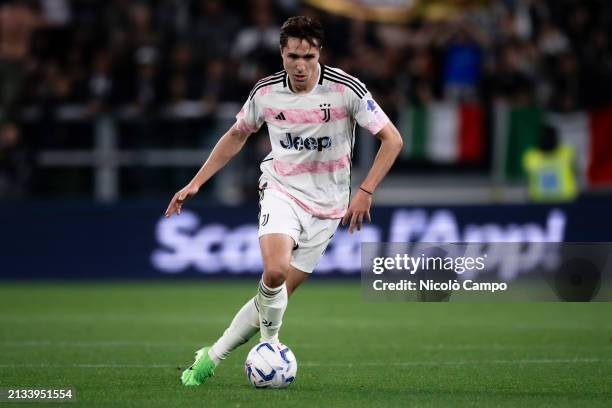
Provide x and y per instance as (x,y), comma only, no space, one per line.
(134,241)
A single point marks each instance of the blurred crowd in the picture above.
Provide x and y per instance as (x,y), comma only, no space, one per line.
(153,53)
(188,57)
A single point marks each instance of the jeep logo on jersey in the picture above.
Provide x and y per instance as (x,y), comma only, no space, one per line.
(325,108)
(310,143)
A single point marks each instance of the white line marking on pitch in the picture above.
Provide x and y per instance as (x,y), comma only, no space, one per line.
(362,324)
(425,347)
(452,363)
(94,343)
(343,365)
(131,319)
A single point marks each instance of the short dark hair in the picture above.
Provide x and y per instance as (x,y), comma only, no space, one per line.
(303,28)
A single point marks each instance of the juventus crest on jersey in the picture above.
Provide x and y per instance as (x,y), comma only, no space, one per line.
(312,136)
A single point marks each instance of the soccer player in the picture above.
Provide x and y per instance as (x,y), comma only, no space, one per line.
(311,111)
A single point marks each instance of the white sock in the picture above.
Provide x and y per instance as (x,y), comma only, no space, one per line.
(242,328)
(272,304)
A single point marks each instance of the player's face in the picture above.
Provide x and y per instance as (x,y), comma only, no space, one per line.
(300,60)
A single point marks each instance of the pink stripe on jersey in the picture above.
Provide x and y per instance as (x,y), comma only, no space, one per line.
(320,212)
(337,87)
(314,166)
(378,123)
(265,90)
(332,213)
(242,125)
(303,116)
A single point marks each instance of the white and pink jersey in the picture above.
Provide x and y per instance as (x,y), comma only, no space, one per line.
(312,136)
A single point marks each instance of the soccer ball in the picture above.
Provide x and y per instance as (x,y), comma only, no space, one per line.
(270,365)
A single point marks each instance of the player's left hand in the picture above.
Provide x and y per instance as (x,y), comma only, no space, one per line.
(359,209)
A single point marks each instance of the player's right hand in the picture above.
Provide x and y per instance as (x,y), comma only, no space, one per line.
(179,198)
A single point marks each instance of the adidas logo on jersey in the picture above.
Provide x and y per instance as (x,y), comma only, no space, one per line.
(280,116)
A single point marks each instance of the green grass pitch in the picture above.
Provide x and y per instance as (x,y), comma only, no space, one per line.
(121,344)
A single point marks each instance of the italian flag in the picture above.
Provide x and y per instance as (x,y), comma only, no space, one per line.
(444,133)
(516,129)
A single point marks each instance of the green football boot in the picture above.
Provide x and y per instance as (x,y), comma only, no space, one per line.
(202,368)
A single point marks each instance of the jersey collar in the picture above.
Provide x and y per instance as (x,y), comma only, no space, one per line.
(287,83)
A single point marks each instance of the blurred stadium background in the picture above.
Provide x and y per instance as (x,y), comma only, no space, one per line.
(109,107)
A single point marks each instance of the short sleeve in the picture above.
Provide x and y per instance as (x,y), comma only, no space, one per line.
(249,118)
(368,113)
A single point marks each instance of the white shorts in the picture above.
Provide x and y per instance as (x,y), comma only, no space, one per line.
(280,215)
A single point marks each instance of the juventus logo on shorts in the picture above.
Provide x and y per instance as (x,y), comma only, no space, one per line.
(264,219)
(325,108)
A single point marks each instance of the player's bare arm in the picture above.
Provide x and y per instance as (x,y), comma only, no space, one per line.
(359,208)
(226,148)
